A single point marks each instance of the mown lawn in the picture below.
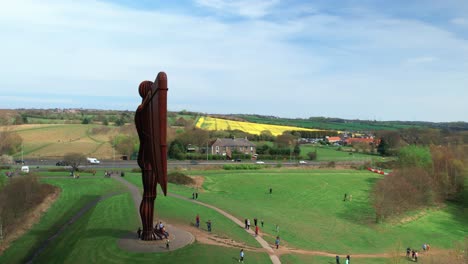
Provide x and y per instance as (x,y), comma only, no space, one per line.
(307,259)
(74,195)
(309,208)
(93,240)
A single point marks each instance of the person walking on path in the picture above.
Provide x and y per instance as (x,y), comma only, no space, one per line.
(261,222)
(408,251)
(271,190)
(412,254)
(256,230)
(167,243)
(337,259)
(277,242)
(193,196)
(350,197)
(208,225)
(348,259)
(197,221)
(241,259)
(139,232)
(345,196)
(255,221)
(424,247)
(428,247)
(416,256)
(248,224)
(245,222)
(196,196)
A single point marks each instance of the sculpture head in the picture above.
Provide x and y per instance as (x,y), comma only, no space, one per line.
(145,88)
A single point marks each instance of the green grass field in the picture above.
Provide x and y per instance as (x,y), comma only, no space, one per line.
(74,195)
(308,206)
(306,259)
(326,153)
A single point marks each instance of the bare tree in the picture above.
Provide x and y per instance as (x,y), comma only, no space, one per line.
(74,160)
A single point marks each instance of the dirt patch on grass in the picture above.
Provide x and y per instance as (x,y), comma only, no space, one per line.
(204,237)
(30,219)
(198,181)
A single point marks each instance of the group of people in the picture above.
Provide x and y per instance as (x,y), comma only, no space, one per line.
(158,229)
(348,259)
(414,253)
(110,173)
(257,229)
(197,223)
(195,195)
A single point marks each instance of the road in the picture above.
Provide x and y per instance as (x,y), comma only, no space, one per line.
(34,163)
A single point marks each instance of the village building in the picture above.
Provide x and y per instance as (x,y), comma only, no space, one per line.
(226,146)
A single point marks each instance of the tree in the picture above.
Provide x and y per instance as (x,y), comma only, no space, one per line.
(74,160)
(392,140)
(415,156)
(312,155)
(85,121)
(10,142)
(297,150)
(285,140)
(125,144)
(176,148)
(383,148)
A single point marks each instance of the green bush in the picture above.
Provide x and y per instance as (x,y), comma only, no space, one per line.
(242,167)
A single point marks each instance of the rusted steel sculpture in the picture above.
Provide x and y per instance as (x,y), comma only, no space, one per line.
(151,121)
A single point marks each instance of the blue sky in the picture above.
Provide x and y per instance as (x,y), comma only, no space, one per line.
(383,60)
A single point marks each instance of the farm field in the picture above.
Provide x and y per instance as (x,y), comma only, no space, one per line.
(210,123)
(54,140)
(329,124)
(308,206)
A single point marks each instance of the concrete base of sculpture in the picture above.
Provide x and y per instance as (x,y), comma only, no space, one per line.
(178,238)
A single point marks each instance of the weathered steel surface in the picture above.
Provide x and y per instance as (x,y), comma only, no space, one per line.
(151,124)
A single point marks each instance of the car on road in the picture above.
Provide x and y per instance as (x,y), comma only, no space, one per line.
(20,162)
(25,169)
(93,161)
(302,162)
(61,163)
(260,162)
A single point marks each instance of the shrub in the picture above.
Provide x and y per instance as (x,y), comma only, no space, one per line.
(19,197)
(179,178)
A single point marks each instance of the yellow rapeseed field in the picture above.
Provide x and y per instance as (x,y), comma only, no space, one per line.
(210,123)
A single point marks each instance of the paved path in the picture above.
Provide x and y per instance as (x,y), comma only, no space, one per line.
(178,238)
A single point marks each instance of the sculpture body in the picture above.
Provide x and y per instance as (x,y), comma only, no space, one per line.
(151,123)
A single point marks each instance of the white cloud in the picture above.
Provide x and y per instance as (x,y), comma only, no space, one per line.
(246,8)
(420,60)
(460,21)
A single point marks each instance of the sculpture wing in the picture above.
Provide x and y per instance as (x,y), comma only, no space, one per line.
(158,122)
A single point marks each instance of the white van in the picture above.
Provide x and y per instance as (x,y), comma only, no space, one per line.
(25,169)
(93,161)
